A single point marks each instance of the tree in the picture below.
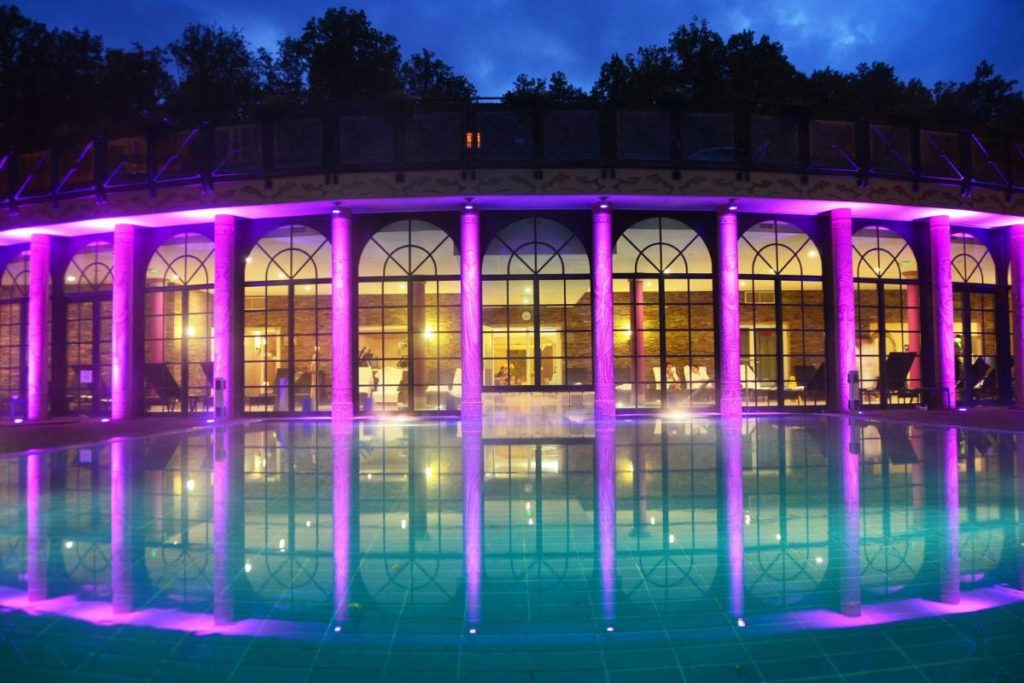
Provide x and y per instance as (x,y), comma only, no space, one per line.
(987,98)
(341,57)
(640,79)
(556,90)
(759,71)
(216,71)
(700,60)
(426,78)
(133,83)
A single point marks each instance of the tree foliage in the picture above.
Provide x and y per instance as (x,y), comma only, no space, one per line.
(56,82)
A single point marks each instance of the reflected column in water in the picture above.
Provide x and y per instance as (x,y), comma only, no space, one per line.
(37,541)
(949,518)
(473,515)
(730,462)
(345,514)
(228,521)
(1019,479)
(127,559)
(845,517)
(604,455)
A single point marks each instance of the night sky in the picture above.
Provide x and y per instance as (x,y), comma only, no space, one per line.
(491,41)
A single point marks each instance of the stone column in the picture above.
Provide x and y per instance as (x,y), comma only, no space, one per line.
(228,521)
(472,302)
(603,307)
(730,395)
(228,324)
(842,322)
(1017,304)
(38,325)
(343,360)
(942,308)
(127,330)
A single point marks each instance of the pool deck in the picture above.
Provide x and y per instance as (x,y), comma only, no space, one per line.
(69,431)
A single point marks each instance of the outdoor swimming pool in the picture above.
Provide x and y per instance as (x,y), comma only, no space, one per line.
(762,548)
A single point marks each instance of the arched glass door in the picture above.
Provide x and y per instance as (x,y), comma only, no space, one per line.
(88,289)
(888,317)
(974,320)
(288,322)
(537,322)
(178,370)
(409,320)
(13,336)
(664,317)
(782,317)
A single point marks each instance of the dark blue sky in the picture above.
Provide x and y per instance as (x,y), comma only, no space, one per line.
(491,41)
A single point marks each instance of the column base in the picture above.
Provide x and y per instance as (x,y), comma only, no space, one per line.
(604,410)
(472,410)
(730,407)
(342,411)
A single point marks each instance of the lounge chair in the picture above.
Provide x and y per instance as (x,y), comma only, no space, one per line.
(165,389)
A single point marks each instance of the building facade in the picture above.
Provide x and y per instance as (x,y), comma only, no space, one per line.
(565,258)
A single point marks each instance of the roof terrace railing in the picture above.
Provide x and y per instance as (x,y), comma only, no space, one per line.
(478,136)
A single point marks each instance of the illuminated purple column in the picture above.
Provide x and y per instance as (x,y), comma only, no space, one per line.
(341,511)
(601,285)
(949,533)
(730,397)
(227,311)
(843,323)
(343,360)
(847,559)
(228,521)
(122,542)
(473,515)
(38,325)
(472,330)
(125,333)
(604,454)
(37,542)
(1017,294)
(942,306)
(731,466)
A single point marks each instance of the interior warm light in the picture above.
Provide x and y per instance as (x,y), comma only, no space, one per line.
(71,278)
(248,259)
(428,470)
(812,253)
(428,333)
(404,523)
(653,522)
(309,523)
(190,331)
(190,485)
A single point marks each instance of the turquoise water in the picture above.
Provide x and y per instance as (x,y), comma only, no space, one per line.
(764,549)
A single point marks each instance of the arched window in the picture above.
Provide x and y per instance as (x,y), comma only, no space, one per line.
(888,317)
(782,317)
(409,320)
(288,322)
(974,320)
(664,317)
(88,288)
(179,325)
(537,323)
(13,335)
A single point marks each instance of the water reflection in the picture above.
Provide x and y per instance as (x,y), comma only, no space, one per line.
(380,528)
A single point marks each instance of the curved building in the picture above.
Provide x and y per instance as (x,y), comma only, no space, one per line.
(491,260)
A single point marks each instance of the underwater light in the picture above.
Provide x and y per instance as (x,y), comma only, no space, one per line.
(741,622)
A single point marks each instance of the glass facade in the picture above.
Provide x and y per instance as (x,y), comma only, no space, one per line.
(782,317)
(974,320)
(888,296)
(88,290)
(179,326)
(288,322)
(664,317)
(13,333)
(537,323)
(409,320)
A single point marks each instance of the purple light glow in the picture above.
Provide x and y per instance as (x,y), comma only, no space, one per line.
(36,537)
(125,295)
(227,323)
(849,550)
(1017,306)
(604,341)
(38,325)
(471,300)
(343,358)
(228,521)
(120,535)
(942,303)
(730,394)
(843,306)
(949,537)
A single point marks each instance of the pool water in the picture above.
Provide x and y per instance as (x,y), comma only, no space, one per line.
(767,548)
